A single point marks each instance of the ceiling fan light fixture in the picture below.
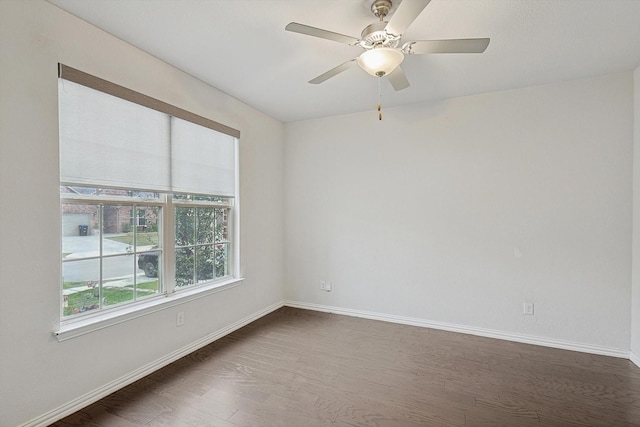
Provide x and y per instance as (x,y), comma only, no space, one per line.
(380,61)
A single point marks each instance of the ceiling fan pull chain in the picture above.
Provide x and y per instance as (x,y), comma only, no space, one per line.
(379,98)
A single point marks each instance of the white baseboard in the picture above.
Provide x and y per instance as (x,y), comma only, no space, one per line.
(97,394)
(635,359)
(489,333)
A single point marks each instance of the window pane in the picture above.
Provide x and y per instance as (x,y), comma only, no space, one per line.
(222,225)
(147,236)
(184,267)
(118,279)
(204,263)
(146,286)
(80,272)
(72,189)
(117,236)
(126,225)
(202,198)
(144,194)
(80,286)
(221,260)
(80,231)
(185,226)
(149,265)
(204,228)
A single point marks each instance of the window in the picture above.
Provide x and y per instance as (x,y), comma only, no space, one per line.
(147,197)
(202,242)
(101,250)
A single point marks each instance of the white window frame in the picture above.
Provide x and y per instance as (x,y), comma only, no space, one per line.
(171,296)
(169,268)
(110,200)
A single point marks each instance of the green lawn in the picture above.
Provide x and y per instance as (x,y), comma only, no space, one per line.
(144,239)
(88,300)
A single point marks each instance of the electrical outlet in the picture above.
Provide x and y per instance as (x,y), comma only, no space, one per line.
(325,286)
(180,318)
(527,308)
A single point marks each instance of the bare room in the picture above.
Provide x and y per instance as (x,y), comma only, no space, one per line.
(320,213)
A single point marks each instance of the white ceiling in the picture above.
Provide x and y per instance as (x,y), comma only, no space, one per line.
(241,47)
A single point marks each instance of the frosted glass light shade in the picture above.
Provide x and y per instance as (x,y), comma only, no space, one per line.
(380,61)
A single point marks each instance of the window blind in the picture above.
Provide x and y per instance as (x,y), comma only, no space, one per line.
(202,160)
(108,140)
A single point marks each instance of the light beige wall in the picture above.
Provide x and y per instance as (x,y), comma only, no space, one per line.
(456,213)
(37,373)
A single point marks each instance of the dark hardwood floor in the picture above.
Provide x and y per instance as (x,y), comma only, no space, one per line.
(299,368)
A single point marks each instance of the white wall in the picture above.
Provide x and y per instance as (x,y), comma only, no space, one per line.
(37,373)
(459,212)
(635,293)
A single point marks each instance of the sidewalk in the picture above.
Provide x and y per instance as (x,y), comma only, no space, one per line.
(117,282)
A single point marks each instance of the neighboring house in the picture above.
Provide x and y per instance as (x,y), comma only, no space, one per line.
(79,219)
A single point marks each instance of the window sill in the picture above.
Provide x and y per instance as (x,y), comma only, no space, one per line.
(78,327)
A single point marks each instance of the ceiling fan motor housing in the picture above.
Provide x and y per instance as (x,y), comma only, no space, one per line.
(381,8)
(374,35)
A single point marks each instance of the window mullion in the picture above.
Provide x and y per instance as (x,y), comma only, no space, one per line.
(168,246)
(100,243)
(194,239)
(214,245)
(134,220)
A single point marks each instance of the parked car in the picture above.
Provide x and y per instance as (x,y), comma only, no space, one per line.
(148,262)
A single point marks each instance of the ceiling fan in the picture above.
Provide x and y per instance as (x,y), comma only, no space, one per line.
(382,42)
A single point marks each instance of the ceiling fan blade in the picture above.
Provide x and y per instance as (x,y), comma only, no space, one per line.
(323,34)
(406,13)
(398,79)
(446,46)
(332,72)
